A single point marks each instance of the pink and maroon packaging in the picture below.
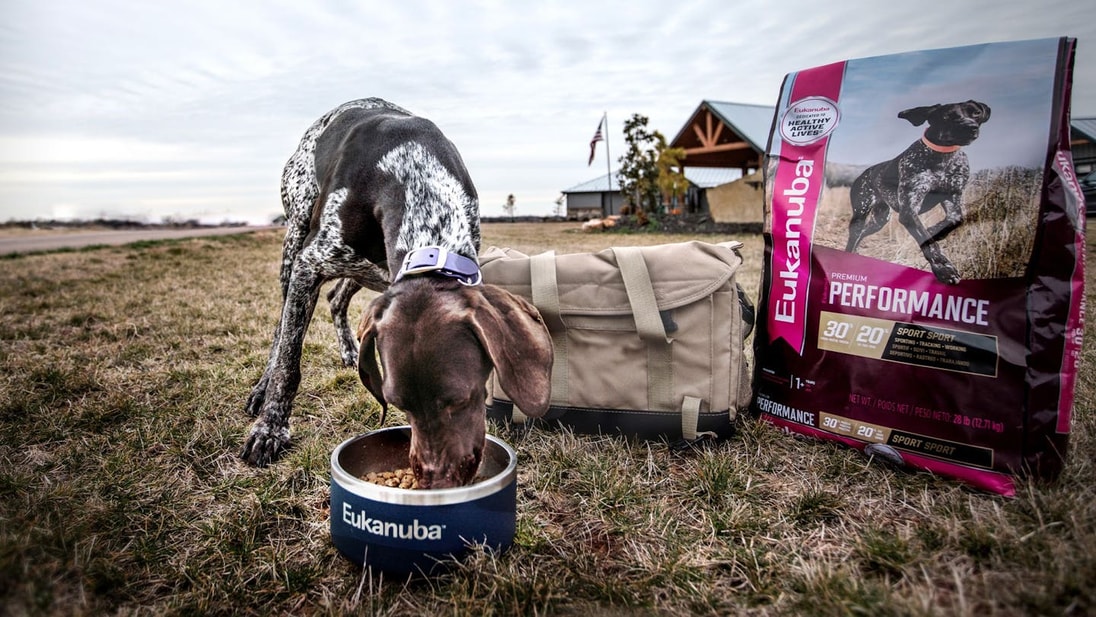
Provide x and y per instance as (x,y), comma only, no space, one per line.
(923,290)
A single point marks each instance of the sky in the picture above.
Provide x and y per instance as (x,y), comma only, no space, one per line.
(1015,81)
(188,110)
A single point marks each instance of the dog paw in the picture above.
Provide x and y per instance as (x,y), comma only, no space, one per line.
(255,403)
(350,358)
(946,273)
(264,444)
(256,399)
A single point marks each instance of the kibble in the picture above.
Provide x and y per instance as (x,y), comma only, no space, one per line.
(402,478)
(397,478)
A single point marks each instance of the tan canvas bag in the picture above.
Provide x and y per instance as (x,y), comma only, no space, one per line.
(648,340)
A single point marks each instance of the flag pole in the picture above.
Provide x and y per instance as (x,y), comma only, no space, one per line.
(608,159)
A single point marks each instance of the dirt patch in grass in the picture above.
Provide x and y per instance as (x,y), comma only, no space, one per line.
(123,374)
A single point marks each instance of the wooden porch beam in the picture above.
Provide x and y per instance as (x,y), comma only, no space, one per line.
(740,145)
(709,135)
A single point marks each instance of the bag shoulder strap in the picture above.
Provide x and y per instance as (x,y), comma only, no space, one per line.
(641,296)
(641,293)
(542,277)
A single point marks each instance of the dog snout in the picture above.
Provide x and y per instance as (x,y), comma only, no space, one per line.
(445,455)
(441,472)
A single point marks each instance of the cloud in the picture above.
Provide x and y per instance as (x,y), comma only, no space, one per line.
(228,88)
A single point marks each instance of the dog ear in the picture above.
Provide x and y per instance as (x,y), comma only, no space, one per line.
(985,110)
(517,341)
(368,371)
(917,115)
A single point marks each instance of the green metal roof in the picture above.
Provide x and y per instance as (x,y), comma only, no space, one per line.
(751,122)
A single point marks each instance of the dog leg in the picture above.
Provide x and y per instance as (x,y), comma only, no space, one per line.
(856,228)
(856,232)
(258,391)
(269,433)
(295,235)
(869,214)
(943,269)
(339,298)
(953,218)
(367,275)
(866,225)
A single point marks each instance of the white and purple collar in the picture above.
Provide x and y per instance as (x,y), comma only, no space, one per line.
(438,260)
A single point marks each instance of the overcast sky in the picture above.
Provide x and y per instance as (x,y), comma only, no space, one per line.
(190,109)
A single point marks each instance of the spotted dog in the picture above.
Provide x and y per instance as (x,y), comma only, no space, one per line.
(376,197)
(932,172)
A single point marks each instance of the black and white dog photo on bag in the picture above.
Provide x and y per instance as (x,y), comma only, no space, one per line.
(931,172)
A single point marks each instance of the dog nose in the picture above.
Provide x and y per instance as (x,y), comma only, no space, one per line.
(443,474)
(433,478)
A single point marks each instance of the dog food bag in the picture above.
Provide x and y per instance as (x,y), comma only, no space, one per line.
(923,289)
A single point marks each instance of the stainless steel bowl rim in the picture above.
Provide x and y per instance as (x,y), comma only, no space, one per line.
(423,497)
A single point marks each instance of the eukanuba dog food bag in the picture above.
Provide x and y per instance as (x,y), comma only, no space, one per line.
(923,285)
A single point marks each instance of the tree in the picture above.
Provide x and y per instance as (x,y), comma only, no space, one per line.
(638,165)
(561,208)
(672,183)
(647,170)
(509,206)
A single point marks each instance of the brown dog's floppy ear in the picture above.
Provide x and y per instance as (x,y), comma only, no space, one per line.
(516,339)
(917,115)
(367,351)
(985,110)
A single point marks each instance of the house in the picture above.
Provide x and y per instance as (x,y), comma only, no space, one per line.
(726,135)
(729,136)
(1083,144)
(723,143)
(596,198)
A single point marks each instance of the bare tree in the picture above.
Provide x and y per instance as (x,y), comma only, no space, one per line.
(509,206)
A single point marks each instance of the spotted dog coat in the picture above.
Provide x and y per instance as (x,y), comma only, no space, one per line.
(368,183)
(300,189)
(932,171)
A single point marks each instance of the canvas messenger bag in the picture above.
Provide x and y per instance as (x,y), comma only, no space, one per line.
(648,341)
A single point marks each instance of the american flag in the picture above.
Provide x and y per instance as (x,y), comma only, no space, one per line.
(596,138)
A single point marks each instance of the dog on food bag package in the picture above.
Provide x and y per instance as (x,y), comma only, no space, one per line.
(923,289)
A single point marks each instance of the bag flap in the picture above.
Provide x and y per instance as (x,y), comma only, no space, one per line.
(591,283)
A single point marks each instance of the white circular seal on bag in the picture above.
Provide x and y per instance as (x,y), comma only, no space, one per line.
(809,120)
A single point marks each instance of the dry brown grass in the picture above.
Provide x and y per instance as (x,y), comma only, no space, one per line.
(1000,210)
(123,373)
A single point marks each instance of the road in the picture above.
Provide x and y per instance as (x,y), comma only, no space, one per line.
(50,240)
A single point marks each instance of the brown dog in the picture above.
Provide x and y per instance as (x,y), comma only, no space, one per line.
(375,194)
(438,341)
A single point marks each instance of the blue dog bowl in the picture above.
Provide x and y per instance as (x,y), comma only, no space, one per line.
(407,531)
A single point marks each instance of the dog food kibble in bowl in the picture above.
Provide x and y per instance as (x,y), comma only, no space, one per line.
(397,478)
(377,522)
(403,478)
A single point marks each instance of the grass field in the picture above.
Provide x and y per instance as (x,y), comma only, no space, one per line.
(123,375)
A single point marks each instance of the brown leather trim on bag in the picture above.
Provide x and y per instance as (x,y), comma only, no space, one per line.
(638,423)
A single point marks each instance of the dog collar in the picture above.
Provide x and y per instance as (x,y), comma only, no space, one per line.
(438,260)
(940,149)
